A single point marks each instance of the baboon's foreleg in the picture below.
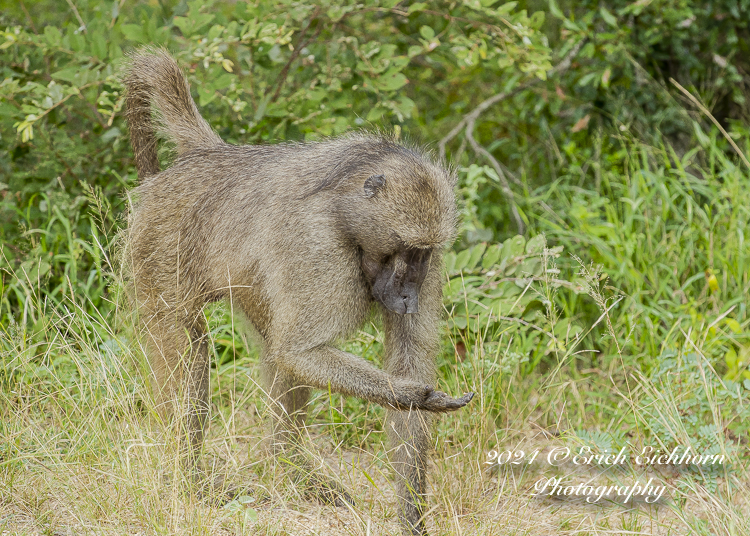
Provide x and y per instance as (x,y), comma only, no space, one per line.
(409,436)
(325,367)
(411,343)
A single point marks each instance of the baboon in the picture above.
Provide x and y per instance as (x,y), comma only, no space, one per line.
(303,239)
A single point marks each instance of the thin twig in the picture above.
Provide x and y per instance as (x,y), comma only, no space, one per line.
(64,99)
(295,53)
(78,15)
(703,109)
(114,18)
(28,16)
(475,113)
(504,186)
(522,322)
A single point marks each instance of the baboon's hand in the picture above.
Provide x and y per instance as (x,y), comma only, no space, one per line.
(439,401)
(426,398)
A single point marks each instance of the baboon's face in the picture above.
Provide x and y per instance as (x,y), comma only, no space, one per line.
(399,218)
(396,279)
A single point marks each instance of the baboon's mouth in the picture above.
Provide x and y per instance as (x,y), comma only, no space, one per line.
(403,300)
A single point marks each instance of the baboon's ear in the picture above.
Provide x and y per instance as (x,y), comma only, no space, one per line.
(373,184)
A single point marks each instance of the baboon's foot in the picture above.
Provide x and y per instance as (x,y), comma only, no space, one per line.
(414,530)
(218,489)
(326,491)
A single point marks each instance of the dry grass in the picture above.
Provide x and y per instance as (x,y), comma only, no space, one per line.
(84,453)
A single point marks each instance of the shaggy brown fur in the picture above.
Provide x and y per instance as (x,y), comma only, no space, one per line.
(302,238)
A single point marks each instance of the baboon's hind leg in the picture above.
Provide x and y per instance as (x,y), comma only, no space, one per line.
(177,349)
(289,409)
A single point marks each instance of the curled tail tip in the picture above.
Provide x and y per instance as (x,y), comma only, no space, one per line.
(147,52)
(148,66)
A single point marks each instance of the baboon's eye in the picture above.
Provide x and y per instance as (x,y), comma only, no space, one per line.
(373,184)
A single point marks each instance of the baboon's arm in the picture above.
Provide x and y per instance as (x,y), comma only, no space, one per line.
(327,367)
(411,344)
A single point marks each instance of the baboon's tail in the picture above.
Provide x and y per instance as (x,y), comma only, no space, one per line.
(158,103)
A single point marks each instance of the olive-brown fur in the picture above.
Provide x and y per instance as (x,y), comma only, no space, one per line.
(283,232)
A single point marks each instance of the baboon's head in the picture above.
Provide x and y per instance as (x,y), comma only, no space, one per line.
(401,211)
